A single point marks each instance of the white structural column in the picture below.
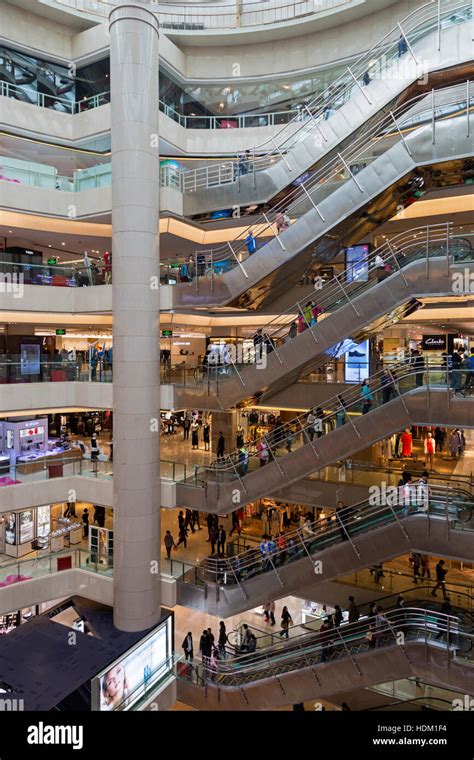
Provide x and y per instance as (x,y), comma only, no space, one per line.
(135,212)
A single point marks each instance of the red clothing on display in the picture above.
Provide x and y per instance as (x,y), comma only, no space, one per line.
(407,444)
(429,445)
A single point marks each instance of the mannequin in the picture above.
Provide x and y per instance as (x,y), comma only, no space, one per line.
(429,450)
(240,436)
(407,443)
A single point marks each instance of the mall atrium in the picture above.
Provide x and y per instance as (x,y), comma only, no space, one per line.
(236,355)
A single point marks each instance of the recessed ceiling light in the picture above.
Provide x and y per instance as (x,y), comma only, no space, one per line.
(63,243)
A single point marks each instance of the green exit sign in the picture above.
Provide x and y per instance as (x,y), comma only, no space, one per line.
(167,333)
(52,261)
(61,331)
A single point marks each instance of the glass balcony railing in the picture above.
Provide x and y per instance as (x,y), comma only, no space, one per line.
(13,370)
(218,16)
(28,569)
(14,276)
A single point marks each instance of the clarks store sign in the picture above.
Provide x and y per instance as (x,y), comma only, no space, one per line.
(433,343)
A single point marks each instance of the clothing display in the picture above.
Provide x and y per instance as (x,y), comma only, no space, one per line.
(407,444)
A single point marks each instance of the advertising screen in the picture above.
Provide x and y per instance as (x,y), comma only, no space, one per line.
(357,363)
(29,359)
(357,264)
(27,531)
(127,679)
(10,529)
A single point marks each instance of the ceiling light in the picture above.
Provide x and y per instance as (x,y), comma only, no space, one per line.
(63,243)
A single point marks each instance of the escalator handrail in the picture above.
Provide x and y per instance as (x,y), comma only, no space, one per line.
(388,601)
(397,253)
(345,403)
(418,622)
(333,167)
(350,522)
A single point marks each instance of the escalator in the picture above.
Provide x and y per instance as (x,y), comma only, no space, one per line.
(15,68)
(418,394)
(420,262)
(341,203)
(365,534)
(16,71)
(378,80)
(420,640)
(350,482)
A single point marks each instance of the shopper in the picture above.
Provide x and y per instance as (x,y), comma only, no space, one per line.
(354,613)
(386,385)
(271,610)
(221,539)
(325,637)
(195,519)
(341,412)
(214,537)
(220,446)
(210,525)
(235,523)
(169,543)
(206,435)
(263,453)
(415,560)
(222,640)
(443,624)
(251,243)
(293,331)
(186,427)
(188,646)
(282,221)
(311,421)
(367,397)
(342,518)
(182,536)
(205,648)
(85,522)
(338,616)
(286,621)
(441,574)
(425,566)
(244,645)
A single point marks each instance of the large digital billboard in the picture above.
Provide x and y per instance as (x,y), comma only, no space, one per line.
(127,679)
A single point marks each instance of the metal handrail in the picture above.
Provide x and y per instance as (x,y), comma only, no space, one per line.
(422,242)
(394,627)
(334,172)
(340,406)
(302,630)
(201,17)
(453,505)
(384,52)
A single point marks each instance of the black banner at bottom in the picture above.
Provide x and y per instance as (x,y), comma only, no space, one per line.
(432,734)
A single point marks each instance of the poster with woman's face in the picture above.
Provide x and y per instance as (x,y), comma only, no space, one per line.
(10,529)
(123,683)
